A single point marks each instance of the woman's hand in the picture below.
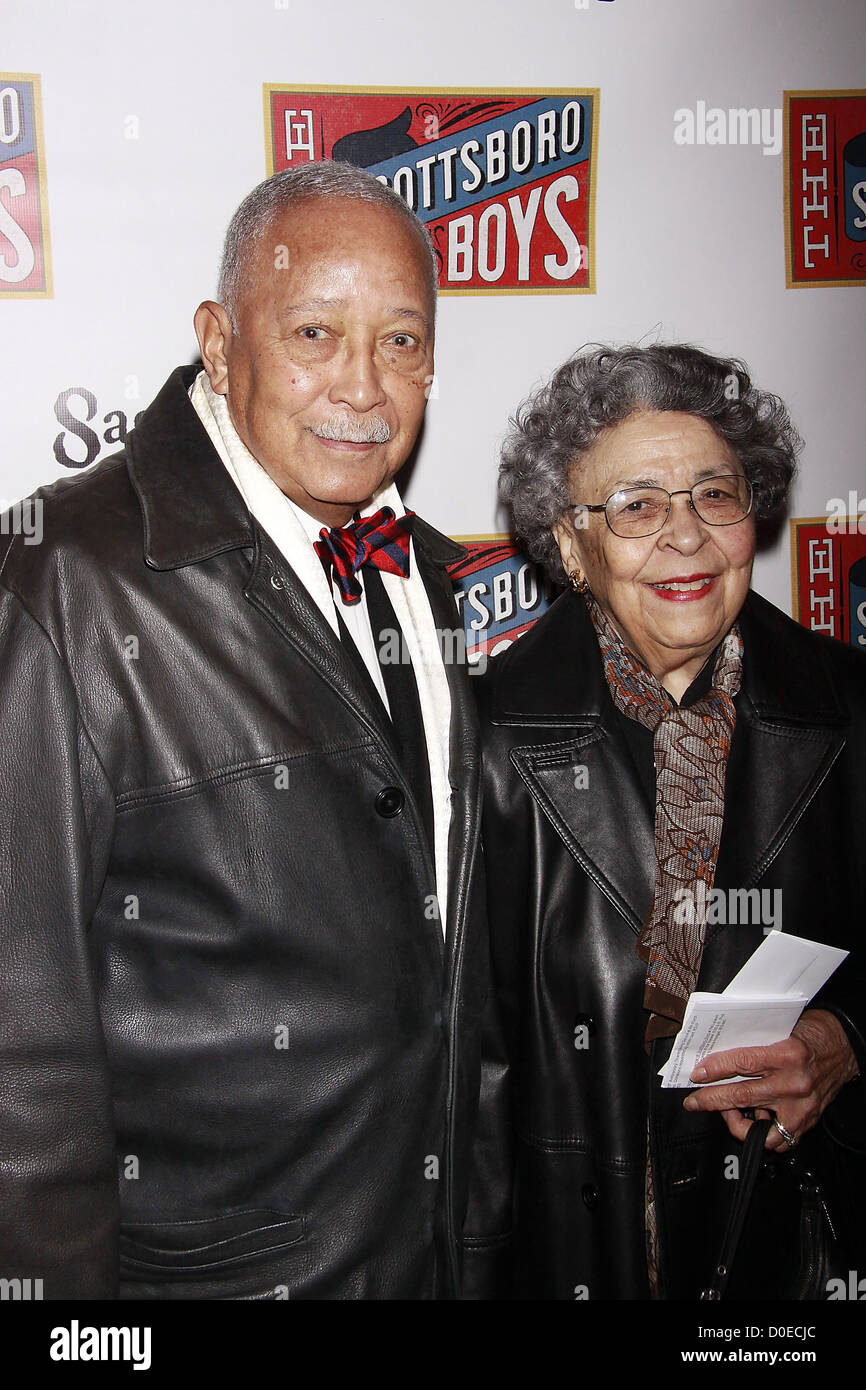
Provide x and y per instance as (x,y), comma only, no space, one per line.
(796,1078)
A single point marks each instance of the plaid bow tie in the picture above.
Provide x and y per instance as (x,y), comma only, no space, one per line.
(381,540)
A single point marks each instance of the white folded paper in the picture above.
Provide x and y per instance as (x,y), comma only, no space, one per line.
(760,1006)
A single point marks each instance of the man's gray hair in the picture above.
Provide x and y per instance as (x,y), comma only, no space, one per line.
(321,179)
(602,386)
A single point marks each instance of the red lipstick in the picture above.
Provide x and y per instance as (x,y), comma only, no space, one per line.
(674,590)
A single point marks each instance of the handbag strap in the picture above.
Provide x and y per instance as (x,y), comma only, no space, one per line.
(750,1166)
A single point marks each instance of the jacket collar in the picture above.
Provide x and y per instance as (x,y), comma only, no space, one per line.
(785,678)
(190,506)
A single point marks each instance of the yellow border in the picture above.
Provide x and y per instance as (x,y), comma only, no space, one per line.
(793,523)
(594,93)
(48,292)
(267,89)
(790,282)
(496,537)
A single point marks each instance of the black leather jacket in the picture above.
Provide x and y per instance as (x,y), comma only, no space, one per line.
(238,1060)
(570,866)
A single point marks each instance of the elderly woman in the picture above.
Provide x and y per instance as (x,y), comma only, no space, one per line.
(664,736)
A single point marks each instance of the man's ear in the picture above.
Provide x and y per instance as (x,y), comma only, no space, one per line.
(213,328)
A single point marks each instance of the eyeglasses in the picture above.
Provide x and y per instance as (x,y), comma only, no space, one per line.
(641,511)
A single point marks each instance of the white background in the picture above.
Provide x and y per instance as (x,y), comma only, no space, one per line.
(689,240)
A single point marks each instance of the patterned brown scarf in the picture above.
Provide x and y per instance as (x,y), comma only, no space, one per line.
(691,749)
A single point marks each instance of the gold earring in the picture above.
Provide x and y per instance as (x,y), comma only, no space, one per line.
(577,580)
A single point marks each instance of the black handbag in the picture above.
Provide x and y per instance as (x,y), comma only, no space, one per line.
(780,1240)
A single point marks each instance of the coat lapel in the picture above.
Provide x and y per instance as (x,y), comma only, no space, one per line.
(578,766)
(608,831)
(275,589)
(790,730)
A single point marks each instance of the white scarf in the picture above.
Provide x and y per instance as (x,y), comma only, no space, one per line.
(274,511)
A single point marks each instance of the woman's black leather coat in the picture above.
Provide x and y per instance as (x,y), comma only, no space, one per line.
(570,864)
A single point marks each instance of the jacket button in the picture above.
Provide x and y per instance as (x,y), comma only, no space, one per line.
(589,1193)
(390,802)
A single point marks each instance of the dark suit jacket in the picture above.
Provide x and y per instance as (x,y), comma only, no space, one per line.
(238,1060)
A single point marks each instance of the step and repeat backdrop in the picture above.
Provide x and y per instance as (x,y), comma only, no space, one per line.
(590,171)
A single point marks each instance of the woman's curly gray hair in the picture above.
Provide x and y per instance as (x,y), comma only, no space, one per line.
(601,386)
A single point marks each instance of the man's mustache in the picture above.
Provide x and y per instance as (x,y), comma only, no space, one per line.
(348,429)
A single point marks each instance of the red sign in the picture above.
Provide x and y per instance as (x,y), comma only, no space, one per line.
(500,593)
(828,560)
(24,259)
(825,188)
(503,180)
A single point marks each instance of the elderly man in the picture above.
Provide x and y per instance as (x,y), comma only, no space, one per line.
(242,963)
